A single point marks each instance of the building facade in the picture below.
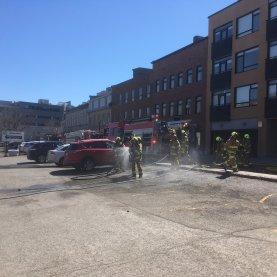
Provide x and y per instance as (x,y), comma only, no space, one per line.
(242,73)
(132,99)
(76,118)
(179,87)
(99,111)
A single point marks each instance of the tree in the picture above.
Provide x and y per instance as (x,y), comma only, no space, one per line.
(15,119)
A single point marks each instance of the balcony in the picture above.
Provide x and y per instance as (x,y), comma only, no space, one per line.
(221,113)
(222,48)
(271,69)
(271,31)
(271,107)
(221,81)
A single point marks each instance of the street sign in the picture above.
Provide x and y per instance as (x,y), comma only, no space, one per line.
(12,136)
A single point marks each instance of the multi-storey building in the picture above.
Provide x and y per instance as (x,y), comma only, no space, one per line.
(179,87)
(132,99)
(76,118)
(174,90)
(100,110)
(242,71)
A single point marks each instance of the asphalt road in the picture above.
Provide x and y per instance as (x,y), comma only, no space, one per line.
(55,222)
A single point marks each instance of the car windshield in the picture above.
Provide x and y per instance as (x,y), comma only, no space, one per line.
(75,146)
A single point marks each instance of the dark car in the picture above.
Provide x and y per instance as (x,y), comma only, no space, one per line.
(86,154)
(38,152)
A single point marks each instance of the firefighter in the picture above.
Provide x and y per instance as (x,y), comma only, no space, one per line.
(135,155)
(174,150)
(245,150)
(119,154)
(184,142)
(220,153)
(231,146)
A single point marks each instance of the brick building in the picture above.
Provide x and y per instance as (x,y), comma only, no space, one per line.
(242,73)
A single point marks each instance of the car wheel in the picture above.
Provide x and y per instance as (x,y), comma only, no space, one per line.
(41,159)
(60,163)
(88,164)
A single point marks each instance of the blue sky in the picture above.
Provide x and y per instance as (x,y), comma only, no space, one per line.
(66,50)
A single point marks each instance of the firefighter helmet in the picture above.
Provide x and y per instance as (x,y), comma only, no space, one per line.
(118,139)
(234,134)
(218,139)
(186,126)
(247,136)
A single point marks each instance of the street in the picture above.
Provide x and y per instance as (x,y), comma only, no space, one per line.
(56,222)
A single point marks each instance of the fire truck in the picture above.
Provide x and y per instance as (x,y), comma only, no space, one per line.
(151,131)
(82,134)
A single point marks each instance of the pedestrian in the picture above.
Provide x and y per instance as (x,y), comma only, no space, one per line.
(118,155)
(220,153)
(174,150)
(231,146)
(135,156)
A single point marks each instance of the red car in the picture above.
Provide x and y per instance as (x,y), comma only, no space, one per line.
(86,154)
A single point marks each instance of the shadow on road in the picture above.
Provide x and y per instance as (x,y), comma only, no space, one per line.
(225,175)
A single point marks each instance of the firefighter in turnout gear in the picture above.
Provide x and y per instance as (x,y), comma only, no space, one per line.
(245,150)
(135,154)
(220,153)
(231,146)
(174,150)
(119,155)
(184,142)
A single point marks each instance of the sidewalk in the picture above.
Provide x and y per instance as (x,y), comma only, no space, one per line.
(261,168)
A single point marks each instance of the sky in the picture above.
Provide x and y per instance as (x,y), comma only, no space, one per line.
(67,50)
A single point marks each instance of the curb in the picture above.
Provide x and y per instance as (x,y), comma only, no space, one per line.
(242,174)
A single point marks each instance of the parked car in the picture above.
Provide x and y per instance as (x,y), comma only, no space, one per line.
(86,154)
(57,155)
(38,151)
(26,145)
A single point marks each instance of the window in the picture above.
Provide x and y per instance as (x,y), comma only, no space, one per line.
(148,91)
(247,60)
(272,89)
(248,24)
(140,93)
(246,96)
(273,9)
(164,110)
(223,33)
(164,83)
(126,97)
(120,98)
(132,114)
(125,115)
(189,76)
(180,79)
(199,73)
(273,50)
(157,86)
(147,111)
(198,102)
(171,108)
(133,95)
(188,106)
(179,107)
(221,98)
(157,109)
(139,113)
(223,65)
(172,81)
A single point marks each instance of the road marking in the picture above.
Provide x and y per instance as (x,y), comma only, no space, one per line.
(267,197)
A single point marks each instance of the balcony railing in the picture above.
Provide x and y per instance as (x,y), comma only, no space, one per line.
(271,107)
(271,69)
(222,48)
(221,113)
(271,31)
(221,81)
